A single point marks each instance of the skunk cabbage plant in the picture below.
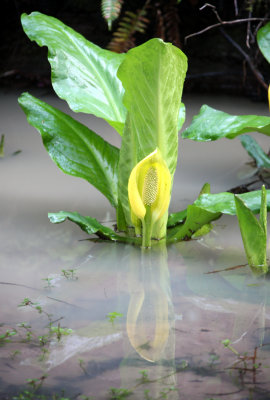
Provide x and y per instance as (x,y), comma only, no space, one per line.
(139,95)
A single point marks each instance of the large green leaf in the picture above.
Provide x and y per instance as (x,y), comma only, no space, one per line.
(263,39)
(152,75)
(211,124)
(83,74)
(73,147)
(224,202)
(90,226)
(255,151)
(253,232)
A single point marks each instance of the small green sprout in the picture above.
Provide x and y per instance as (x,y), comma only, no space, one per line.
(227,343)
(48,282)
(60,331)
(144,376)
(5,337)
(119,394)
(113,315)
(70,274)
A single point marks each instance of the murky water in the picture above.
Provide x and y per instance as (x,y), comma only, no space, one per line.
(151,323)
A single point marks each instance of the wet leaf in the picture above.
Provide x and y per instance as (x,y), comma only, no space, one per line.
(224,202)
(76,149)
(90,226)
(153,76)
(255,151)
(253,231)
(211,124)
(192,222)
(179,217)
(176,218)
(83,74)
(263,40)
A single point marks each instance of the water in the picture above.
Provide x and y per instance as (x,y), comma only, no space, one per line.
(170,308)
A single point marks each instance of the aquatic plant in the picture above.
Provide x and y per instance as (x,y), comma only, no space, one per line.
(139,95)
(253,231)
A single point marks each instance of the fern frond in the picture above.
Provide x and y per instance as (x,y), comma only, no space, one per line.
(172,20)
(110,10)
(124,38)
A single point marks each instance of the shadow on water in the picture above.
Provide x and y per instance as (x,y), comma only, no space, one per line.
(169,318)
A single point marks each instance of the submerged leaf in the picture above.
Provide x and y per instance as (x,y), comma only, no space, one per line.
(211,124)
(83,74)
(76,149)
(255,151)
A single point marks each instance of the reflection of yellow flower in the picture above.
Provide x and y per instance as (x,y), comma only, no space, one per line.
(149,189)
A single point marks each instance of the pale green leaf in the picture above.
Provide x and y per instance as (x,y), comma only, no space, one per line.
(152,75)
(83,74)
(76,149)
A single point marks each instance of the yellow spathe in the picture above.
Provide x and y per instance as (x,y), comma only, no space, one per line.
(150,185)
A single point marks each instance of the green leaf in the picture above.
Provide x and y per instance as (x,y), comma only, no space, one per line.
(197,218)
(90,226)
(263,39)
(181,116)
(153,76)
(253,233)
(176,218)
(263,210)
(224,202)
(197,221)
(211,124)
(255,151)
(83,74)
(111,10)
(76,149)
(179,217)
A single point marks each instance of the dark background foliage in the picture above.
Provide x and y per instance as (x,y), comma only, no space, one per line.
(225,59)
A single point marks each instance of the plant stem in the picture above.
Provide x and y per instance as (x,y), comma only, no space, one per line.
(147,228)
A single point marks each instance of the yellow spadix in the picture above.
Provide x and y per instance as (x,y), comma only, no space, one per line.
(149,191)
